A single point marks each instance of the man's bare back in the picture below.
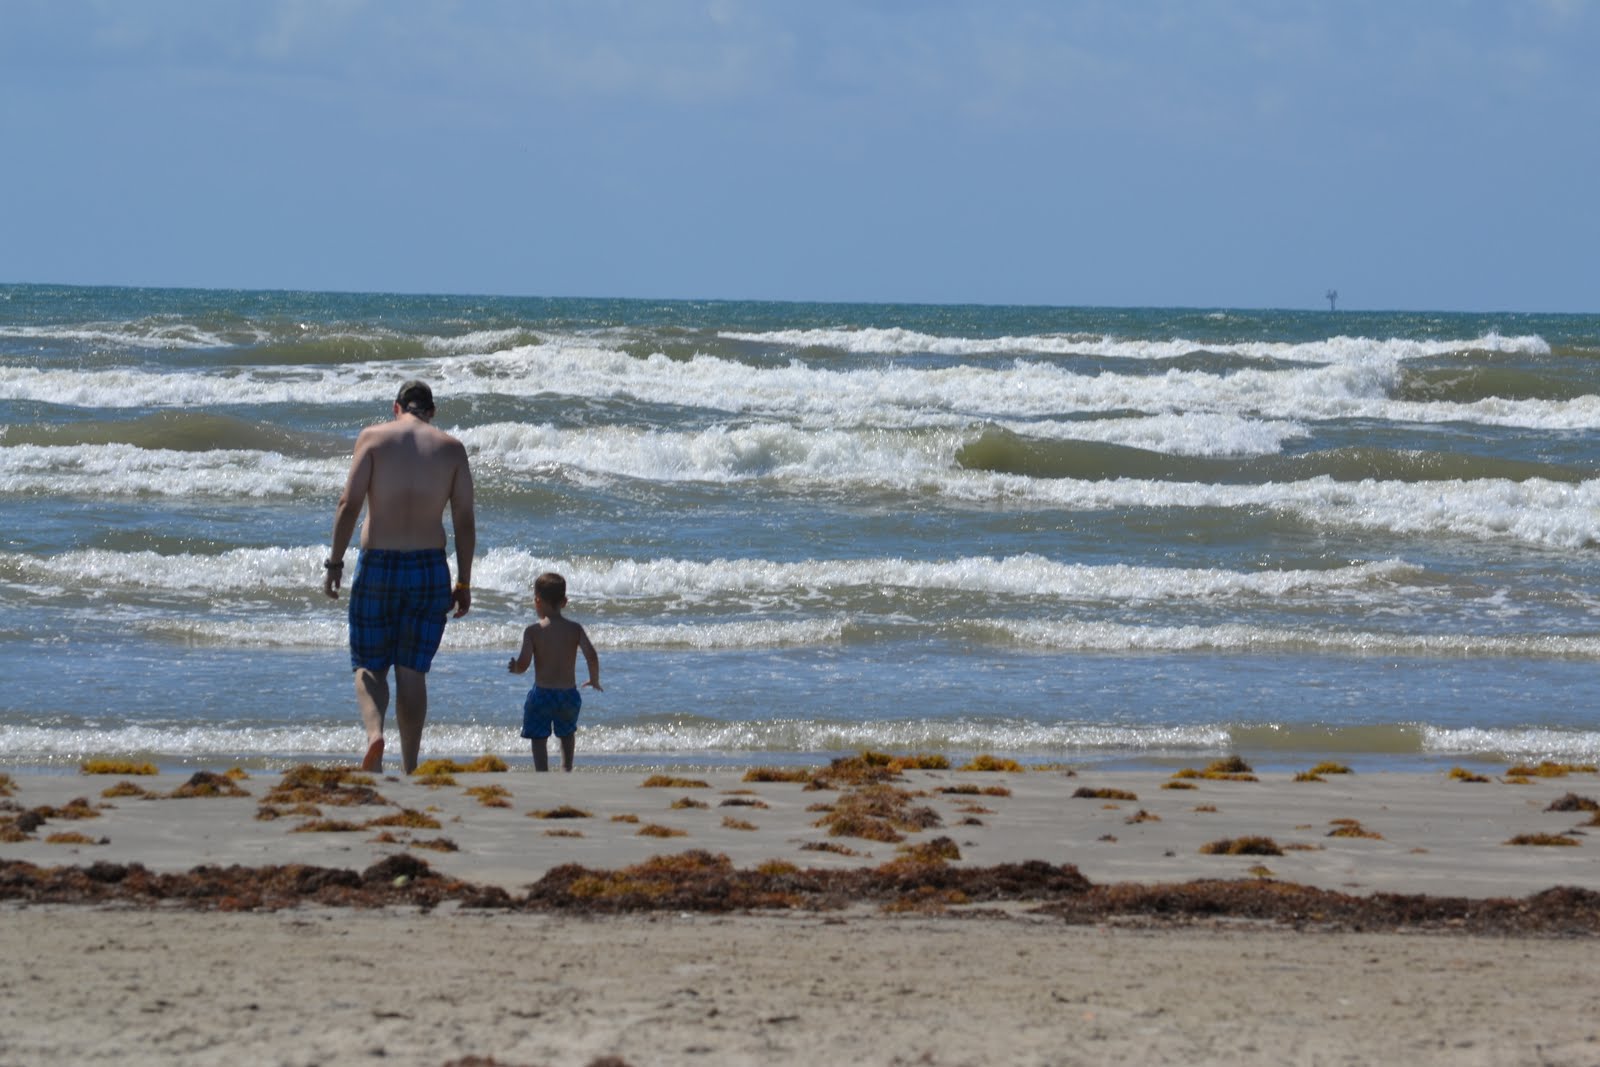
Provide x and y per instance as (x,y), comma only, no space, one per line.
(408,471)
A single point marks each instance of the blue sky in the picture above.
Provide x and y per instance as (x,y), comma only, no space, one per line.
(1205,153)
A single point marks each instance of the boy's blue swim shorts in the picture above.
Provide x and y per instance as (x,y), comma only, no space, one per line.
(551,710)
(398,605)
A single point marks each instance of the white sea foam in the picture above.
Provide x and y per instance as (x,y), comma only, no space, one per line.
(159,334)
(1114,637)
(123,470)
(473,634)
(1533,511)
(512,571)
(1178,434)
(669,738)
(685,739)
(1526,743)
(879,396)
(896,341)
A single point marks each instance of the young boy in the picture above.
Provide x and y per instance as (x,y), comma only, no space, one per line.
(552,645)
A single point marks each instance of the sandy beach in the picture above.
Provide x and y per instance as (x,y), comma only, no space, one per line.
(932,969)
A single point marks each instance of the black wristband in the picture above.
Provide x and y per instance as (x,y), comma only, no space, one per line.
(334,565)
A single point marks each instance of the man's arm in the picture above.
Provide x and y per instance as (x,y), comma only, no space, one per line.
(465,524)
(347,512)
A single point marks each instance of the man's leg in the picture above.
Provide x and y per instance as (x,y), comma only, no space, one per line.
(569,745)
(541,753)
(372,699)
(410,712)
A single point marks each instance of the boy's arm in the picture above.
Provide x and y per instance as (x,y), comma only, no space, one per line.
(519,662)
(592,658)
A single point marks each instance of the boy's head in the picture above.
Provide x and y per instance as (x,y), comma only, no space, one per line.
(551,588)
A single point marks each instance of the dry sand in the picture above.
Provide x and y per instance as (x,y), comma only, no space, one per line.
(1009,985)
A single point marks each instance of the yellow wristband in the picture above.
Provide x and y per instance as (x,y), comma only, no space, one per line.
(463,585)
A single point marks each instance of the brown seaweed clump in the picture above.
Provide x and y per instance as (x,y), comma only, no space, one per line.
(938,850)
(73,837)
(651,829)
(406,818)
(565,811)
(704,883)
(1083,792)
(207,784)
(779,774)
(730,823)
(1230,769)
(873,768)
(1352,828)
(1543,839)
(125,789)
(667,781)
(335,786)
(967,789)
(487,763)
(683,803)
(397,880)
(116,766)
(8,786)
(491,796)
(987,762)
(1242,846)
(1461,774)
(878,813)
(1573,802)
(700,881)
(1549,769)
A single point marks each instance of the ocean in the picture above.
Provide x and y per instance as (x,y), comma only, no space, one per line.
(1129,537)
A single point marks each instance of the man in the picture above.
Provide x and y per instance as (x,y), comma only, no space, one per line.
(405,472)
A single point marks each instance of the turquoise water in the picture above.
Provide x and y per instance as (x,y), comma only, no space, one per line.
(1090,535)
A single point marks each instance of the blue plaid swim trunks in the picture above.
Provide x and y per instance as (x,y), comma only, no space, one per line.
(548,710)
(398,605)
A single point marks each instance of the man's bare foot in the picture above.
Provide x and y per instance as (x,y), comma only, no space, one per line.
(373,760)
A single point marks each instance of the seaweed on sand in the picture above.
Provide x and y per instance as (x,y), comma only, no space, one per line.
(207,784)
(779,774)
(336,786)
(710,884)
(878,813)
(116,766)
(487,763)
(984,761)
(1543,839)
(1083,792)
(565,811)
(667,781)
(491,796)
(1242,846)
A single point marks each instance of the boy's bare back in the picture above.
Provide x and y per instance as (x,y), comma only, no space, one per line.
(552,645)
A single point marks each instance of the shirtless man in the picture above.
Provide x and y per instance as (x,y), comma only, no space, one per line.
(405,472)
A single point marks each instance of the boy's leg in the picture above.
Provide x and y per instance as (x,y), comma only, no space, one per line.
(372,700)
(569,745)
(541,753)
(410,712)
